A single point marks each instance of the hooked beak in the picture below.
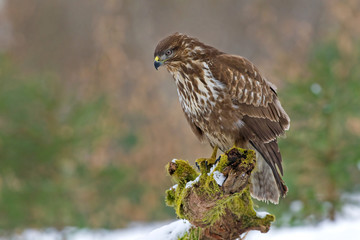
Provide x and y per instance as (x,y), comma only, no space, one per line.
(157,62)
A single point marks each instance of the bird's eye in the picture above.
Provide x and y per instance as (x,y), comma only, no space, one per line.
(168,52)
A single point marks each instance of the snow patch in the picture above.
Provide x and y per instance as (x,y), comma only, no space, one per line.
(171,231)
(174,187)
(261,214)
(346,227)
(212,169)
(174,160)
(219,178)
(189,184)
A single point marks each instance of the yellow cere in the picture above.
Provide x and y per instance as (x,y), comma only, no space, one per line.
(157,58)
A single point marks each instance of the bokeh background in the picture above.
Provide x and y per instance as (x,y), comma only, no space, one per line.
(87,124)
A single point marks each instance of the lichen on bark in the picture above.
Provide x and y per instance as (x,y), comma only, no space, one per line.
(216,200)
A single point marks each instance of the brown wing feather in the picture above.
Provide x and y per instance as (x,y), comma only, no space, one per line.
(255,96)
(270,152)
(252,95)
(257,100)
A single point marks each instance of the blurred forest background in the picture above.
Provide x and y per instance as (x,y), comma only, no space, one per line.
(87,124)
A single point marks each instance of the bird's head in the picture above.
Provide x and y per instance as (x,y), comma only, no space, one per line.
(169,50)
(180,48)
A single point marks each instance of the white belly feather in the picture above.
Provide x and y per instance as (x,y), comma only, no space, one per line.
(199,105)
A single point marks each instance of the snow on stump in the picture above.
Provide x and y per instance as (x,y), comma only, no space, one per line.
(217,200)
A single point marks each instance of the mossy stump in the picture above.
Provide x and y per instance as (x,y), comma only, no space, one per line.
(217,200)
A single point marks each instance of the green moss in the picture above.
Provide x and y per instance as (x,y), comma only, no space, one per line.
(240,203)
(170,197)
(207,181)
(184,172)
(193,234)
(181,195)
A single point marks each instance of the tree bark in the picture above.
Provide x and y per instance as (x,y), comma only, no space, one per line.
(217,200)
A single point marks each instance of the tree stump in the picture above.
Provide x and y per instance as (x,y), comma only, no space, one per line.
(217,200)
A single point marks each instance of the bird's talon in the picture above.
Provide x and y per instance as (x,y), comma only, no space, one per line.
(197,165)
(217,160)
(210,161)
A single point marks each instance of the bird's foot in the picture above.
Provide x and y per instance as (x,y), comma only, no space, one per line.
(204,164)
(197,165)
(217,160)
(207,163)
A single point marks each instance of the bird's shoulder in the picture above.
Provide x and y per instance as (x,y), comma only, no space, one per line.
(243,80)
(250,92)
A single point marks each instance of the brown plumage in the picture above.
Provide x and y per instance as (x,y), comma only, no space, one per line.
(227,101)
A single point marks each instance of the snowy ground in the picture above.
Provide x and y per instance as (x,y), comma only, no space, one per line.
(346,227)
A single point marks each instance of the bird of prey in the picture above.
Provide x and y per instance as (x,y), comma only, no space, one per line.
(228,102)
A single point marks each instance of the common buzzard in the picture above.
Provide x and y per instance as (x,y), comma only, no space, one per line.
(228,102)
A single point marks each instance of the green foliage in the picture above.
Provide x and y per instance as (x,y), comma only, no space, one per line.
(321,152)
(47,178)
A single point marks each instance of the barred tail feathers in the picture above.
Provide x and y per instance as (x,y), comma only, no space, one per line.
(266,181)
